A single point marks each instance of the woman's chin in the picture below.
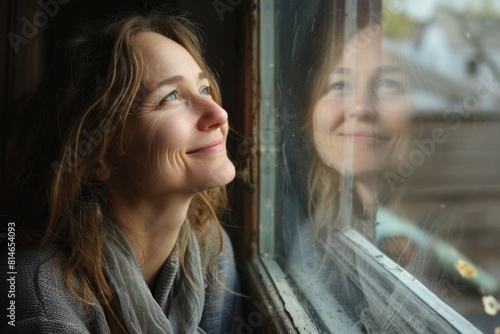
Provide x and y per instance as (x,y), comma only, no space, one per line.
(221,177)
(359,168)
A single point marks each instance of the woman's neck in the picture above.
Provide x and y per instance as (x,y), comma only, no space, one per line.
(365,187)
(151,227)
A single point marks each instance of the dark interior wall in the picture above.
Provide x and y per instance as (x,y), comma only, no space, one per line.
(4,19)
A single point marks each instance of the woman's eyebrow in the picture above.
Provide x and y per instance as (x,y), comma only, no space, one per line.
(389,69)
(341,70)
(174,79)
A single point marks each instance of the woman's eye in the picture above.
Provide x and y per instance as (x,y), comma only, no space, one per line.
(171,96)
(206,91)
(338,86)
(389,86)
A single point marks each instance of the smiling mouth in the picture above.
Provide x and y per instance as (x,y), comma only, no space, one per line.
(363,137)
(214,146)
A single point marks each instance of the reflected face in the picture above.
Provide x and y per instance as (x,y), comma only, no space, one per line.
(177,141)
(364,111)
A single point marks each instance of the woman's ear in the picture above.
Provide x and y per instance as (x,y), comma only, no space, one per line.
(102,172)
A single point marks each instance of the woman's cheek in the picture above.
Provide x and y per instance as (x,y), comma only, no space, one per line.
(395,116)
(328,114)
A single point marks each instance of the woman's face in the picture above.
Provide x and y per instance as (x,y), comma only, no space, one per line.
(177,141)
(365,109)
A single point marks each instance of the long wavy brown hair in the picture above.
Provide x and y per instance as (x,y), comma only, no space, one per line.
(76,120)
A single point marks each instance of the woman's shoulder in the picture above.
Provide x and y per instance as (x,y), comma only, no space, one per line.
(32,269)
(222,302)
(38,296)
(226,264)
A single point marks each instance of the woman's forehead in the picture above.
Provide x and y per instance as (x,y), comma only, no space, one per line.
(164,58)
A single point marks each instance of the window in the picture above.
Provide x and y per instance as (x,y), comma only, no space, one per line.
(395,228)
(378,165)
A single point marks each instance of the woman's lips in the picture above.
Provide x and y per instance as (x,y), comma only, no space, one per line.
(214,146)
(363,137)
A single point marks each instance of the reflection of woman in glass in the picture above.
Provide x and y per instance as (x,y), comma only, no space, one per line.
(116,198)
(356,126)
(357,116)
(358,122)
(358,119)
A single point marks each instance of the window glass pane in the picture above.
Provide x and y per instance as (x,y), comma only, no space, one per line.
(382,175)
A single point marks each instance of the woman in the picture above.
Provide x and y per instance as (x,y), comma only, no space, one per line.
(119,188)
(356,115)
(357,125)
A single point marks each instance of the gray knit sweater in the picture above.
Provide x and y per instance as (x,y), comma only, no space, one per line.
(43,304)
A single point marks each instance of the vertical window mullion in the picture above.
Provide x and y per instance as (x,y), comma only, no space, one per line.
(268,135)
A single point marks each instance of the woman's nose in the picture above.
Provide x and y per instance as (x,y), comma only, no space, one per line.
(362,106)
(212,116)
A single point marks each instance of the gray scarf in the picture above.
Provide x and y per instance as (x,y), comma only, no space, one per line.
(177,305)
